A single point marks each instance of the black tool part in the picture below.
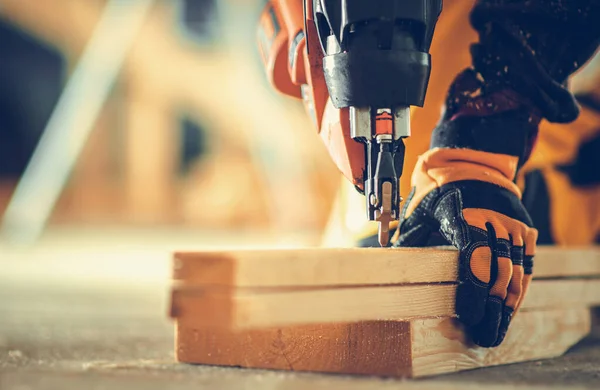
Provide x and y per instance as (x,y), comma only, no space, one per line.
(399,149)
(376,52)
(387,78)
(385,171)
(384,164)
(371,151)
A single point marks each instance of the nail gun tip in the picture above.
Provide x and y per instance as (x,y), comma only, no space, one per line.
(383,238)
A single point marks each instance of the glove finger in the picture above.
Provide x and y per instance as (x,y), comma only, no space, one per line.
(529,251)
(485,333)
(527,276)
(505,272)
(494,322)
(515,287)
(515,291)
(474,275)
(500,280)
(507,314)
(501,266)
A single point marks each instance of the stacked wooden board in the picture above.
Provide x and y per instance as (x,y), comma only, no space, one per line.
(370,311)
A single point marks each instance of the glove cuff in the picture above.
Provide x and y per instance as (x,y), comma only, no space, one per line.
(510,133)
(441,166)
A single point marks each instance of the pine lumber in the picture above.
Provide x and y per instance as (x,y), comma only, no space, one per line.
(253,308)
(417,348)
(366,311)
(439,346)
(356,266)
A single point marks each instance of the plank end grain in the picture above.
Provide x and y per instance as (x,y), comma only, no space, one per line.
(367,348)
(211,307)
(211,268)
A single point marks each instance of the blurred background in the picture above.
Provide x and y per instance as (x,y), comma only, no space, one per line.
(130,129)
(189,135)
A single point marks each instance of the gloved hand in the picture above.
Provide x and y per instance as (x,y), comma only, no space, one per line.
(464,193)
(468,197)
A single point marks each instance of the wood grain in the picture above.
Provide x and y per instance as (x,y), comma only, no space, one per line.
(316,267)
(440,346)
(372,348)
(356,266)
(348,311)
(387,348)
(250,308)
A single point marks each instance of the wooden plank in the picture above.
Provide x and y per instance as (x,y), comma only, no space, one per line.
(316,267)
(330,312)
(386,348)
(356,266)
(439,346)
(250,308)
(246,309)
